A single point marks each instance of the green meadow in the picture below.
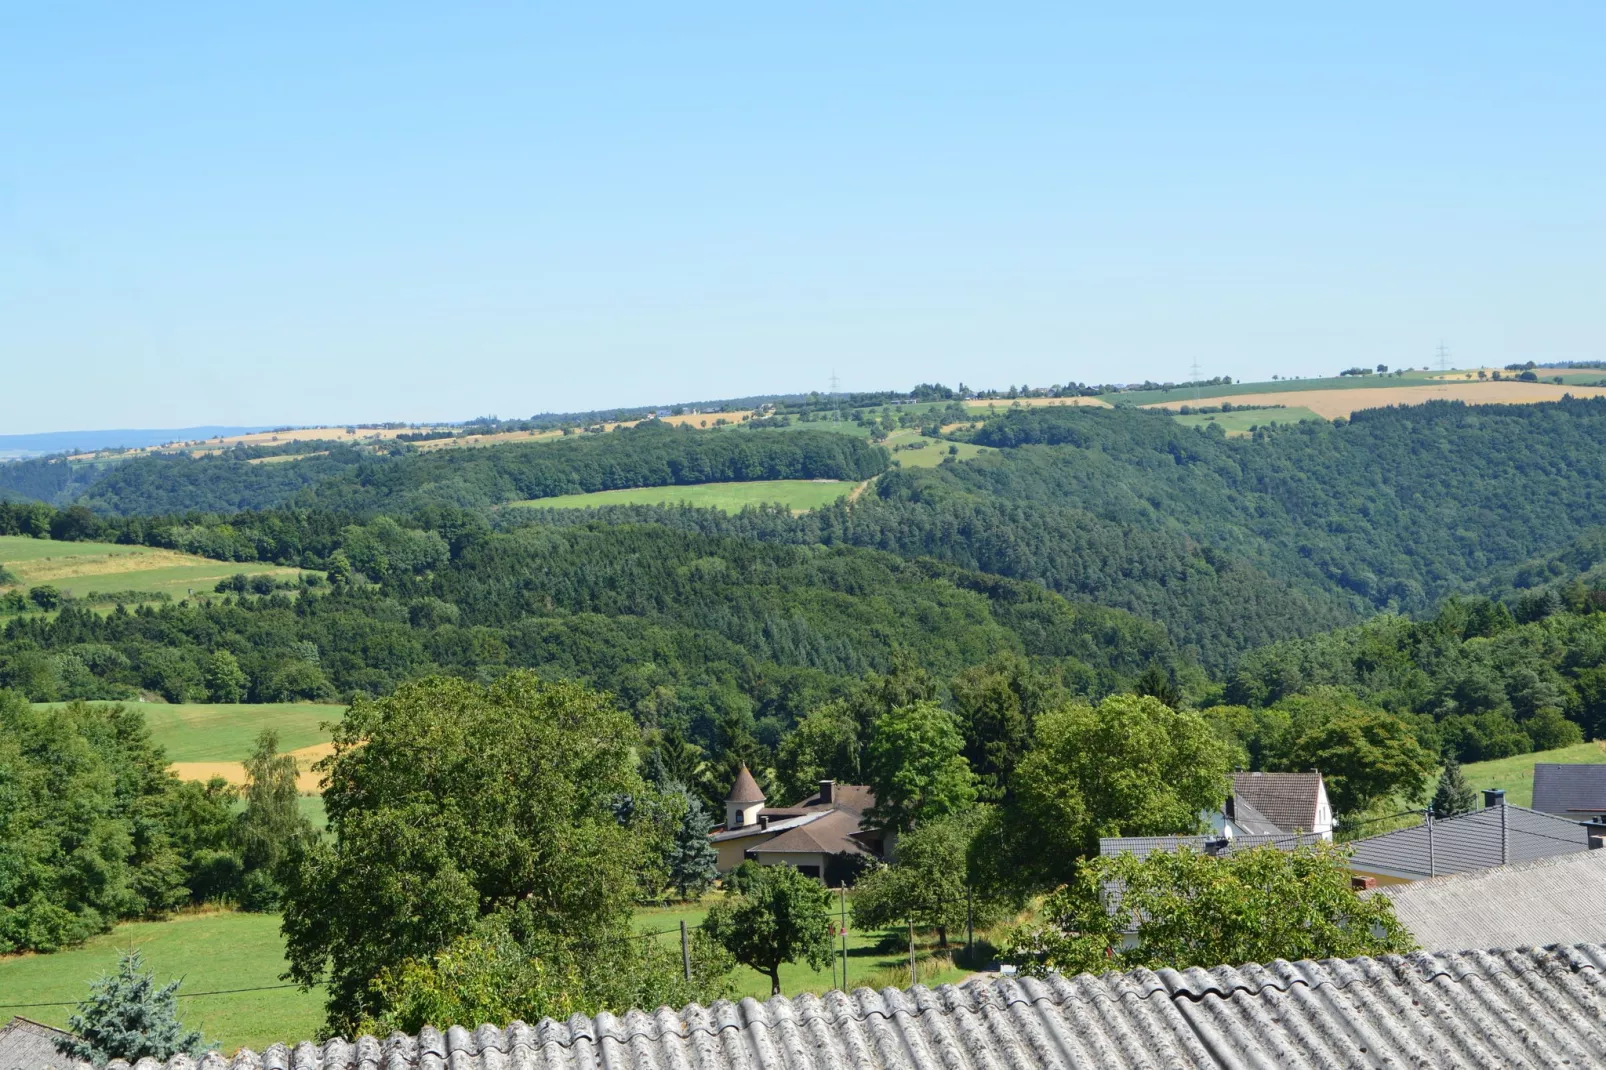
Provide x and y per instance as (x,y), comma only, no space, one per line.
(795,494)
(1242,421)
(223,732)
(1516,774)
(911,450)
(208,950)
(84,568)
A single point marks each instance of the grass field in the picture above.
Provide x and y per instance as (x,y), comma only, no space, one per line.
(220,732)
(1516,774)
(1242,422)
(82,568)
(911,450)
(868,963)
(210,951)
(796,494)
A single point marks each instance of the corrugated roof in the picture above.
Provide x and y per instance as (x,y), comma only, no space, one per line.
(29,1045)
(1288,800)
(1570,789)
(746,789)
(1522,1008)
(1530,904)
(1493,836)
(768,828)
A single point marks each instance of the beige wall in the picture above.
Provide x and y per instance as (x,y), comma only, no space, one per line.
(731,852)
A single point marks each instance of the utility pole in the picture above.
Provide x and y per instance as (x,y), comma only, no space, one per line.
(685,949)
(842,898)
(914,973)
(970,927)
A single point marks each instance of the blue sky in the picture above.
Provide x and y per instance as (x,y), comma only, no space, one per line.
(290,213)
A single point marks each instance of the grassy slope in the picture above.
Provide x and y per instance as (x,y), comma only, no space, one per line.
(216,732)
(1516,774)
(208,950)
(929,452)
(81,568)
(795,494)
(1346,382)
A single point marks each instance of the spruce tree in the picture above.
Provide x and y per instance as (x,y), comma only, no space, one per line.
(1453,795)
(692,859)
(127,1017)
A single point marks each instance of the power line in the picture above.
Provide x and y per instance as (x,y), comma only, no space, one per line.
(181,995)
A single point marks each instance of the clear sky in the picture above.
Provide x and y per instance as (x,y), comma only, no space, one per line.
(265,213)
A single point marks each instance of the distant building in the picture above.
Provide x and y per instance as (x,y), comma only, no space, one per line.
(1497,835)
(1540,903)
(1272,804)
(29,1045)
(821,836)
(1575,791)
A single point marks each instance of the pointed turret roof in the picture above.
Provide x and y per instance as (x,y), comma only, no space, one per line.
(745,790)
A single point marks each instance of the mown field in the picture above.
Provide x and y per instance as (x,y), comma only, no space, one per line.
(1516,774)
(209,950)
(84,568)
(798,495)
(1241,422)
(219,950)
(1330,402)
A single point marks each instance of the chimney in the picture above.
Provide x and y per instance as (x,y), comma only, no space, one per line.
(763,823)
(1215,848)
(827,792)
(1597,840)
(1494,797)
(1362,884)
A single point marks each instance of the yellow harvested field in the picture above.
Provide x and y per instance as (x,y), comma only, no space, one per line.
(202,447)
(1335,403)
(699,419)
(1006,403)
(307,780)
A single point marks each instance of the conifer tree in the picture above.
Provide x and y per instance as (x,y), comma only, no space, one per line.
(126,1016)
(692,858)
(1453,795)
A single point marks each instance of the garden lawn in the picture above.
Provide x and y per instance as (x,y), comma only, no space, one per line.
(1516,774)
(209,951)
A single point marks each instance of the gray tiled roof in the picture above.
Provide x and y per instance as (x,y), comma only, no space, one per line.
(1144,846)
(1570,789)
(1252,821)
(29,1045)
(1528,1007)
(1530,904)
(1287,800)
(1489,837)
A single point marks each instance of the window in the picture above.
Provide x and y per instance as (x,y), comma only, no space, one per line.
(810,871)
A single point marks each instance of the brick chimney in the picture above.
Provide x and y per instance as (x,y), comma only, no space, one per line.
(827,792)
(1361,884)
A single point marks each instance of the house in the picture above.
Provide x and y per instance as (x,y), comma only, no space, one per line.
(29,1045)
(1575,791)
(1270,804)
(1527,904)
(1497,835)
(1523,1007)
(821,836)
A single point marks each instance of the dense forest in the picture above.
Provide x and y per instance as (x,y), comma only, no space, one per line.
(402,477)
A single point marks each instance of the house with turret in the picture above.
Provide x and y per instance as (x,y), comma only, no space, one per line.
(823,836)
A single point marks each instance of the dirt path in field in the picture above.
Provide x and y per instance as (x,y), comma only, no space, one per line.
(1334,403)
(234,772)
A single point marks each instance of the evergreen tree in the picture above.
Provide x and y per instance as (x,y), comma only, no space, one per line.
(1453,795)
(127,1017)
(692,858)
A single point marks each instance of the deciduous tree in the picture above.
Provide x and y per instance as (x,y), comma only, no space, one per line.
(916,767)
(777,916)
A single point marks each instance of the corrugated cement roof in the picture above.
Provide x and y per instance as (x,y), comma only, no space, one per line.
(1570,789)
(1144,846)
(29,1045)
(1496,835)
(1523,1008)
(1546,901)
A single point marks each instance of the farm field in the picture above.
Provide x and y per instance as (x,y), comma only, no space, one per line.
(84,568)
(798,495)
(1002,404)
(1333,403)
(1516,774)
(1189,395)
(210,950)
(1242,422)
